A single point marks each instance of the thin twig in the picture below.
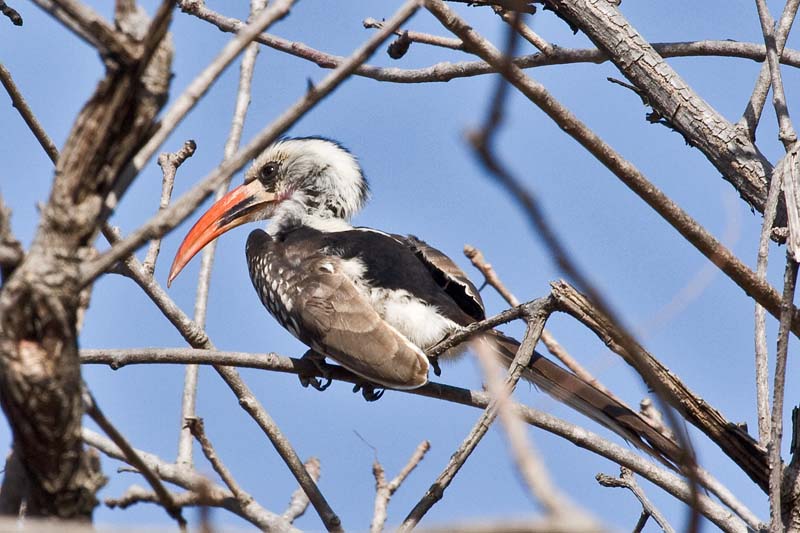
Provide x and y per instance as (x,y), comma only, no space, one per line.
(552,345)
(384,491)
(419,37)
(18,101)
(207,258)
(786,132)
(118,358)
(169,163)
(779,384)
(468,331)
(519,6)
(537,319)
(755,105)
(628,481)
(643,518)
(298,503)
(184,206)
(133,458)
(529,464)
(197,485)
(761,351)
(197,428)
(527,33)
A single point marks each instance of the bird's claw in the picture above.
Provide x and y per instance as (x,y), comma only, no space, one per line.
(368,391)
(434,362)
(314,382)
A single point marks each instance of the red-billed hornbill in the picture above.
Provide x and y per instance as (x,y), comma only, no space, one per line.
(372,301)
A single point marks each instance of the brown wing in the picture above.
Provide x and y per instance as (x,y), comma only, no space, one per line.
(449,276)
(342,324)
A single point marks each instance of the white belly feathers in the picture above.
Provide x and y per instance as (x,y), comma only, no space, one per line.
(416,320)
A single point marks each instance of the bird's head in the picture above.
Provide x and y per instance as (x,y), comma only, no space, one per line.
(294,181)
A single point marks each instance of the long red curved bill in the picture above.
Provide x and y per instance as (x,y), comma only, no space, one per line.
(239,206)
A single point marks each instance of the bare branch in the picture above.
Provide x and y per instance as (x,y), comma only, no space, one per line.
(527,33)
(779,384)
(207,259)
(628,481)
(786,133)
(40,304)
(445,71)
(384,491)
(299,500)
(93,28)
(735,442)
(530,466)
(537,318)
(476,327)
(197,429)
(755,105)
(725,146)
(418,37)
(761,352)
(196,483)
(133,458)
(11,13)
(519,6)
(118,358)
(169,163)
(18,101)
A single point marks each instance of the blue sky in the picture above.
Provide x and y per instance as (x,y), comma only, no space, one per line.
(425,181)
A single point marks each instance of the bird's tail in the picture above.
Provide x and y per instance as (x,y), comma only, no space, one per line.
(587,399)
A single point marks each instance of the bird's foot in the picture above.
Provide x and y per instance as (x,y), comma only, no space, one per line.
(318,360)
(368,391)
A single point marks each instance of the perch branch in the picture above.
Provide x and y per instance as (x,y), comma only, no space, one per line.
(119,358)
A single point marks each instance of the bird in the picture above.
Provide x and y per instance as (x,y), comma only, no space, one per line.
(372,301)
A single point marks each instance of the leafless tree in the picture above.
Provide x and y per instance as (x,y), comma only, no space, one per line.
(53,469)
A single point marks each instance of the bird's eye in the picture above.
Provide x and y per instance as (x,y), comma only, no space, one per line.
(268,172)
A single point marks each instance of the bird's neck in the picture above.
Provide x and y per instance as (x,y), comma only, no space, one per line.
(292,214)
